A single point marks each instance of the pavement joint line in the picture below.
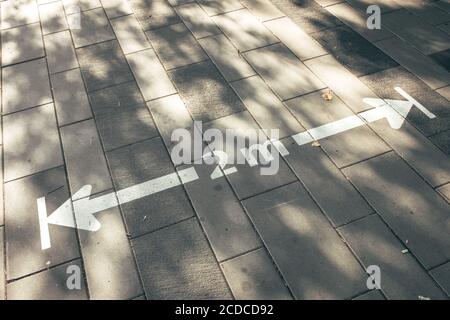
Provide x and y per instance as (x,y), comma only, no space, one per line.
(242,254)
(366,159)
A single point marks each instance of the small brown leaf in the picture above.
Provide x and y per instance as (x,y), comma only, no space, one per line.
(316,144)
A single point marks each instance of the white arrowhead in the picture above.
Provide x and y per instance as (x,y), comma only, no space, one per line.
(389,112)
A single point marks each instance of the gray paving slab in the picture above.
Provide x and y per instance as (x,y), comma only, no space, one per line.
(21,44)
(103,65)
(71,101)
(177,262)
(426,10)
(31,142)
(48,285)
(109,264)
(253,276)
(442,58)
(441,275)
(60,52)
(283,71)
(120,97)
(445,191)
(353,51)
(384,84)
(338,199)
(150,75)
(153,14)
(442,141)
(2,264)
(90,27)
(411,59)
(413,29)
(295,38)
(24,253)
(74,6)
(302,242)
(371,295)
(357,20)
(197,20)
(215,7)
(402,277)
(445,92)
(116,8)
(262,9)
(225,222)
(53,18)
(14,13)
(249,181)
(86,164)
(125,127)
(244,30)
(139,163)
(176,46)
(30,77)
(226,57)
(344,84)
(206,93)
(307,14)
(385,5)
(129,34)
(411,208)
(265,107)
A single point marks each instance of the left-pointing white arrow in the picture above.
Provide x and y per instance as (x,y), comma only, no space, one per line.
(79,214)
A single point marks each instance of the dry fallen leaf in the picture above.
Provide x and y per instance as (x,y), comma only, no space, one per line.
(316,144)
(327,96)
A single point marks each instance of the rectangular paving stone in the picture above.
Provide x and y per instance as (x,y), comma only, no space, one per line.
(90,27)
(413,210)
(2,265)
(71,101)
(31,142)
(265,107)
(426,10)
(411,59)
(150,75)
(214,7)
(442,141)
(338,199)
(445,191)
(154,14)
(353,51)
(441,275)
(86,164)
(18,13)
(21,44)
(262,9)
(384,84)
(283,71)
(402,277)
(116,8)
(206,93)
(129,34)
(226,58)
(103,65)
(357,20)
(297,40)
(445,92)
(244,30)
(53,18)
(48,285)
(74,6)
(109,264)
(24,253)
(371,295)
(30,77)
(60,52)
(302,242)
(426,38)
(253,276)
(124,127)
(442,58)
(139,163)
(344,84)
(176,46)
(225,222)
(177,263)
(309,15)
(248,181)
(197,21)
(112,99)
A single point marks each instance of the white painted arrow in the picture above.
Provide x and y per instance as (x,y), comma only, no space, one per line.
(80,213)
(395,111)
